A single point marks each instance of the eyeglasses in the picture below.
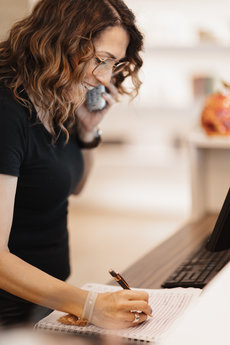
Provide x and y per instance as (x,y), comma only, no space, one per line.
(108,64)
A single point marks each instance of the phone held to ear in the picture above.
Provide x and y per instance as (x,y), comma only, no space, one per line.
(94,100)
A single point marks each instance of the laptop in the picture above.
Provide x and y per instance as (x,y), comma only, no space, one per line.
(207,260)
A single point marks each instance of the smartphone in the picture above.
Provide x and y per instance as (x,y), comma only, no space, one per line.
(94,100)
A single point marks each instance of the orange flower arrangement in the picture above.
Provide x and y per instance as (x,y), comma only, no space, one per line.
(215,116)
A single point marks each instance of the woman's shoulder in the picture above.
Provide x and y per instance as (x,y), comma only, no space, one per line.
(10,108)
(7,97)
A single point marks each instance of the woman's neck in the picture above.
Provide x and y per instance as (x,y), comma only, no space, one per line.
(41,114)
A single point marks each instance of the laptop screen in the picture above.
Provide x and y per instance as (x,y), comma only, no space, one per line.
(220,237)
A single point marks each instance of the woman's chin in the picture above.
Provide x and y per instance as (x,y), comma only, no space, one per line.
(78,94)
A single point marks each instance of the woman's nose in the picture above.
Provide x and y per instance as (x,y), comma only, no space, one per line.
(104,77)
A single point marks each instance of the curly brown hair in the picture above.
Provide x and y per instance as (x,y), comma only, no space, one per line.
(48,52)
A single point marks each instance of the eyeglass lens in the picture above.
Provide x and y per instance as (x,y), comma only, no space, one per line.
(109,64)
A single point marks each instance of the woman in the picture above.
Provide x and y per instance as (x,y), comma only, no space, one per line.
(48,63)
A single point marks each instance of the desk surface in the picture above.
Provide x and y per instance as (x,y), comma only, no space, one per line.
(152,269)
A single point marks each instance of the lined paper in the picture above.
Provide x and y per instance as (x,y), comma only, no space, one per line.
(167,305)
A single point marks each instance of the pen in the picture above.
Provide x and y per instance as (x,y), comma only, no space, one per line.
(121,281)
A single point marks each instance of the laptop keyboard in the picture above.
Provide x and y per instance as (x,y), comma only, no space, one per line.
(198,269)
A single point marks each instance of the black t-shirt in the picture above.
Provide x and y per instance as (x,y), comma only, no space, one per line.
(47,175)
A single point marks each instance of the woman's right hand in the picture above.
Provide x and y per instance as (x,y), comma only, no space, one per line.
(116,309)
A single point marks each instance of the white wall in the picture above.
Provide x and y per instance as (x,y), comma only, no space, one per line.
(184,39)
(11,11)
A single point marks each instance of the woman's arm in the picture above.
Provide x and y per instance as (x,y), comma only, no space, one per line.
(23,279)
(26,281)
(87,128)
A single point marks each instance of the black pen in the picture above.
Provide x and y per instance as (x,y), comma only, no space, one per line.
(121,281)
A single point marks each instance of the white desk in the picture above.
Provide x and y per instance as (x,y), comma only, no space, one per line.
(206,322)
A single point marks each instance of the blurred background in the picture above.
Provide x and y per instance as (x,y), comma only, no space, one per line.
(139,191)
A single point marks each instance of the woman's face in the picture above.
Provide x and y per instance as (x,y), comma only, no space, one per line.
(111,44)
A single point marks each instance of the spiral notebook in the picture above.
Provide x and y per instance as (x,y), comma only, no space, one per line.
(167,306)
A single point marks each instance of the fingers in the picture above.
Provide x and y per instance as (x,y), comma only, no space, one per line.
(109,99)
(136,295)
(111,96)
(142,306)
(137,301)
(125,320)
(132,300)
(123,308)
(112,90)
(135,318)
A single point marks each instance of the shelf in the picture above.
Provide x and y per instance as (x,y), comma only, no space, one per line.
(199,139)
(205,48)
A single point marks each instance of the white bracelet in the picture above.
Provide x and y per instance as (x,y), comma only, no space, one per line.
(87,312)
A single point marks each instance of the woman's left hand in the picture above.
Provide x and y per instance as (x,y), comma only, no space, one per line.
(89,121)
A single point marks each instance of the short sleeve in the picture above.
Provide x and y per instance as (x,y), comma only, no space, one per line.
(13,129)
